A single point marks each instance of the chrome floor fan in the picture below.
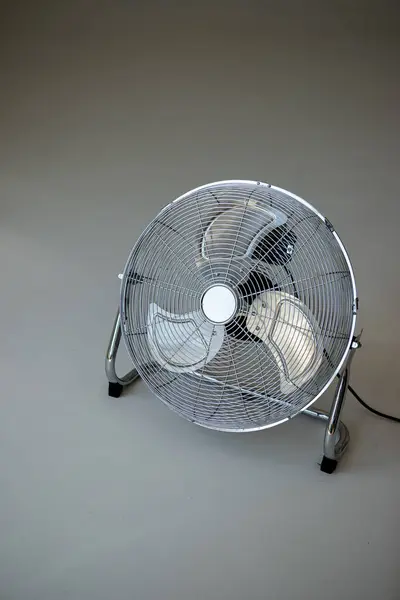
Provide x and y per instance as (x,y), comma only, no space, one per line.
(238,308)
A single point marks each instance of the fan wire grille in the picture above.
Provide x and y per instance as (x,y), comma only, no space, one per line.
(215,235)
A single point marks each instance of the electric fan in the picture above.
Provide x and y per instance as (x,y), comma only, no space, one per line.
(238,307)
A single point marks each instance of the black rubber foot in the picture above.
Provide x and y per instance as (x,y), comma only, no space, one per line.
(115,389)
(328,465)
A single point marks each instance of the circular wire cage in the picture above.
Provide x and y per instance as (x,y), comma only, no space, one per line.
(276,271)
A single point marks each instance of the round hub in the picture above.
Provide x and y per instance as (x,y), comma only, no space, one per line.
(219,304)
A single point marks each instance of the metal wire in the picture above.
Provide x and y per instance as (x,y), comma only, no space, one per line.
(258,241)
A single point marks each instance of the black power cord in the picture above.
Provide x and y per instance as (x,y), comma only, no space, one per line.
(361,401)
(373,410)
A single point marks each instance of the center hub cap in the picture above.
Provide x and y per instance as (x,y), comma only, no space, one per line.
(219,304)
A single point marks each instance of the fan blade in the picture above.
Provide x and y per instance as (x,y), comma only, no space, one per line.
(235,231)
(182,343)
(289,330)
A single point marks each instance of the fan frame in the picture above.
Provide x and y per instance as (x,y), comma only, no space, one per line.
(336,434)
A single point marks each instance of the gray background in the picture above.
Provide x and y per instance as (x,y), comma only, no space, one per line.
(109,110)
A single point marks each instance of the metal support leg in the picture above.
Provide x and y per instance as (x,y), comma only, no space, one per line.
(337,435)
(115,383)
(340,440)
